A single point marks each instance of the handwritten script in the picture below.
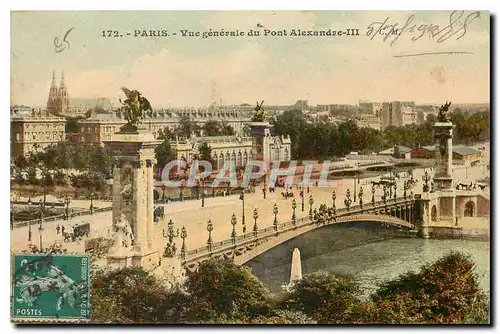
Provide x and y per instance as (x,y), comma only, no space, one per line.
(458,22)
(60,46)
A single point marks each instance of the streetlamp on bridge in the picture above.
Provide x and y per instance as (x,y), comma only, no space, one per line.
(311,202)
(426,179)
(334,206)
(255,216)
(170,249)
(361,197)
(405,187)
(294,206)
(348,200)
(395,190)
(242,198)
(373,195)
(233,233)
(384,196)
(275,222)
(183,247)
(210,228)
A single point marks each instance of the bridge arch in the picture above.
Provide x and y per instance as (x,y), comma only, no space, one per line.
(249,246)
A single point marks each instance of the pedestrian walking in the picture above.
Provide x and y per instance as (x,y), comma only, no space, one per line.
(58,229)
(62,230)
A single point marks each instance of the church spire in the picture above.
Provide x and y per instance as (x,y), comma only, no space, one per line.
(53,80)
(63,95)
(53,95)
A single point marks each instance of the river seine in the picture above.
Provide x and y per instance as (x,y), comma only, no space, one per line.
(375,262)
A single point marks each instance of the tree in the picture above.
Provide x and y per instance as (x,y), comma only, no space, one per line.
(187,127)
(222,289)
(323,297)
(163,153)
(131,295)
(205,152)
(211,128)
(443,292)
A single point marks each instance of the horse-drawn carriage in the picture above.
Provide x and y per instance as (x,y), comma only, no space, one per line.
(79,231)
(159,213)
(286,194)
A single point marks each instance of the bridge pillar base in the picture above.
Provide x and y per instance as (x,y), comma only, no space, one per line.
(424,232)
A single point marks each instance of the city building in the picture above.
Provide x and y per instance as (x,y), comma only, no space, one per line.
(397,113)
(368,121)
(366,107)
(398,151)
(34,129)
(236,149)
(461,154)
(101,126)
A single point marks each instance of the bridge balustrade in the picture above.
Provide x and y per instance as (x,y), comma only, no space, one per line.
(300,222)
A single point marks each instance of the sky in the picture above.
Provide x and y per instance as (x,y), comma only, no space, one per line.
(193,71)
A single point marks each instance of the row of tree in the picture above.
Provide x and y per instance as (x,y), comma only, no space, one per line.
(325,140)
(443,292)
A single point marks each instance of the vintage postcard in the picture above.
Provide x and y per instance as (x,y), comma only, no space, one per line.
(250,167)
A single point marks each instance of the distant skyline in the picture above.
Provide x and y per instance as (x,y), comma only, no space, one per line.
(192,71)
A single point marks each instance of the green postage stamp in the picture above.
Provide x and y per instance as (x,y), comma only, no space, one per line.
(50,287)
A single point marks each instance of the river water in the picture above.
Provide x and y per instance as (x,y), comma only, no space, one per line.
(375,262)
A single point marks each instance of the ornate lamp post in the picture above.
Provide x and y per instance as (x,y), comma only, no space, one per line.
(334,206)
(275,222)
(395,189)
(355,178)
(92,203)
(170,249)
(361,197)
(373,194)
(405,187)
(233,233)
(40,228)
(202,180)
(183,236)
(348,200)
(426,179)
(311,202)
(294,206)
(11,216)
(384,196)
(255,216)
(29,225)
(67,201)
(302,197)
(210,228)
(242,197)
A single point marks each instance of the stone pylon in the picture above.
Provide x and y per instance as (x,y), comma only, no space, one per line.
(133,150)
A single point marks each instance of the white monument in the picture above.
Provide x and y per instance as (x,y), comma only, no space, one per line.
(295,271)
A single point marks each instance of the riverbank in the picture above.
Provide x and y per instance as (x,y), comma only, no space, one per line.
(470,228)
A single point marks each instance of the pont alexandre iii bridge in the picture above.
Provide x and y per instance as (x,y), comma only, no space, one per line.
(397,212)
